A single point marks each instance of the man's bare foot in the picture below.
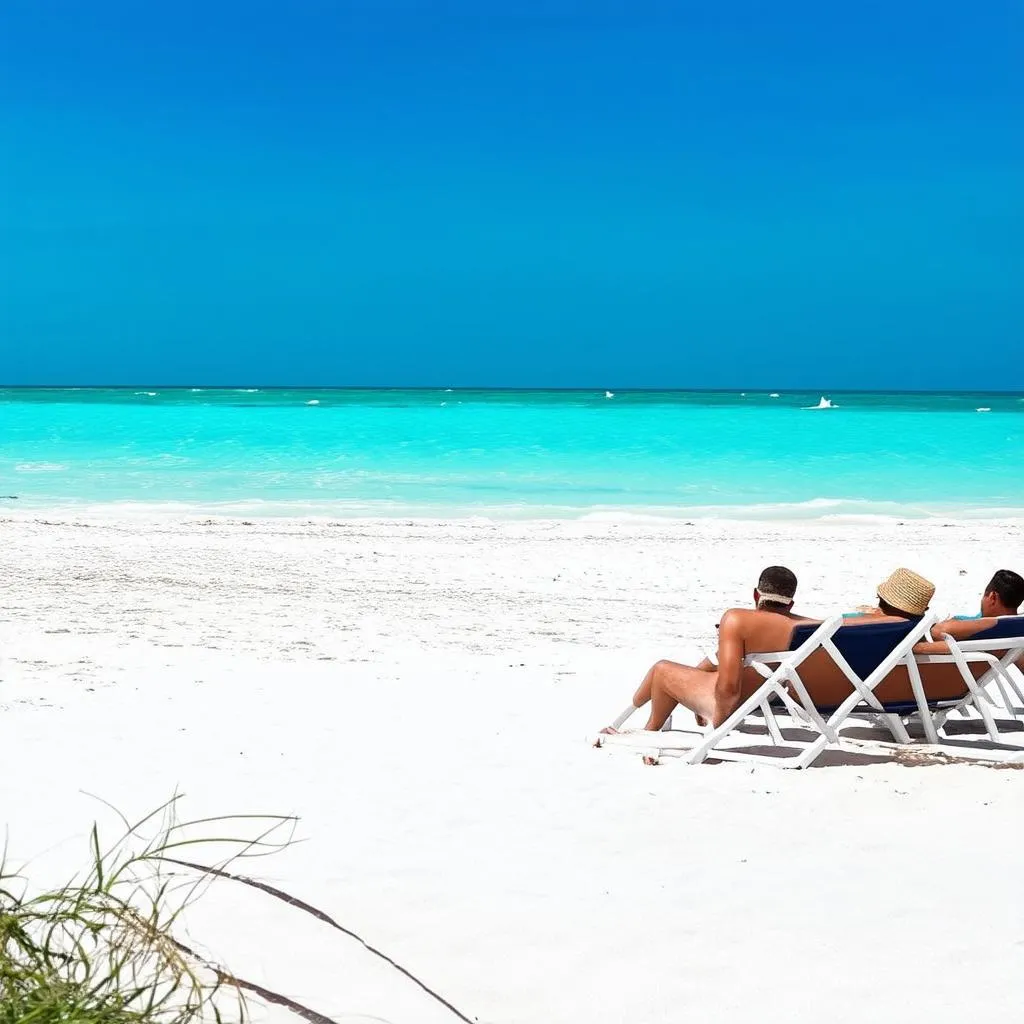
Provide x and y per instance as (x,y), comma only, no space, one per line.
(649,760)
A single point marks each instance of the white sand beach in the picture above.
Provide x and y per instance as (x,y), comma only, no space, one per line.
(420,695)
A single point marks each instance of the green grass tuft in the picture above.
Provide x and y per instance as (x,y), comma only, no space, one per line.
(101,949)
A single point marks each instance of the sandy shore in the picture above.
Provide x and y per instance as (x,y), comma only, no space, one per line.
(419,694)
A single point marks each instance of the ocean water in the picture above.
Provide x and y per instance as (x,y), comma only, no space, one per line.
(513,453)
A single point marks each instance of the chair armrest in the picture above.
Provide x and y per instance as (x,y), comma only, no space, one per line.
(764,658)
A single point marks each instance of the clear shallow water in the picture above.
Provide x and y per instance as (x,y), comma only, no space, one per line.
(435,452)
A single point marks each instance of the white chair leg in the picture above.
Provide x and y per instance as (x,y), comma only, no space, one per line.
(1013,675)
(895,725)
(623,718)
(990,723)
(772,724)
(1005,678)
(923,711)
(810,754)
(1007,703)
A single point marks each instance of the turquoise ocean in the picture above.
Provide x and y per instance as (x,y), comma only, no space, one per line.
(454,453)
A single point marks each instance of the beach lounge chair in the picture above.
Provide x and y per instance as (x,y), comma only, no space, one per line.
(984,662)
(853,669)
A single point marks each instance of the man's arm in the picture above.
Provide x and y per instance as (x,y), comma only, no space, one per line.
(958,629)
(731,651)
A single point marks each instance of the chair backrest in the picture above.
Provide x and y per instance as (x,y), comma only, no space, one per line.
(865,646)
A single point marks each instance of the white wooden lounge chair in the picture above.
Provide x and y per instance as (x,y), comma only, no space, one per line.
(985,661)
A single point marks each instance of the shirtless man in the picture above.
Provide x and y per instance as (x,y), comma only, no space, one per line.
(713,692)
(1003,595)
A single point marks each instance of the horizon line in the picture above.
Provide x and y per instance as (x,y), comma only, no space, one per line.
(509,389)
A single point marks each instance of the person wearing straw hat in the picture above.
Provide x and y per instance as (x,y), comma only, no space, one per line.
(904,594)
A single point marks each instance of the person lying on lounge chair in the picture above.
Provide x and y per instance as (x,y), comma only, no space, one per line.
(1003,596)
(712,691)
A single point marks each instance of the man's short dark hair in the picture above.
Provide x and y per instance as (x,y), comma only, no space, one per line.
(1008,586)
(777,579)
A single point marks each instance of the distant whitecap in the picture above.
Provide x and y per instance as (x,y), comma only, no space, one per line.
(247,391)
(313,401)
(774,394)
(148,394)
(983,408)
(609,394)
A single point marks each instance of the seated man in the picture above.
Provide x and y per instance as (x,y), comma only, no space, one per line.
(713,691)
(1003,596)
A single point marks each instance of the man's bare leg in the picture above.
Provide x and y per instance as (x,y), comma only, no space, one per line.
(643,693)
(705,666)
(694,688)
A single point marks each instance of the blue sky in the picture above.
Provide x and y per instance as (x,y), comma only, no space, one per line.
(535,194)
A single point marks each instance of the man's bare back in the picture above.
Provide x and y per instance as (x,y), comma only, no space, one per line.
(758,631)
(742,631)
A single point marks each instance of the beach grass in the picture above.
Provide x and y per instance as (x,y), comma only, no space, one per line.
(101,948)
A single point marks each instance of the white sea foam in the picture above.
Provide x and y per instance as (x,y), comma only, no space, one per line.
(813,509)
(313,401)
(803,515)
(147,394)
(823,403)
(983,408)
(40,467)
(609,394)
(774,394)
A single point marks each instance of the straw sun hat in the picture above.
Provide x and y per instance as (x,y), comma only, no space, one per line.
(907,591)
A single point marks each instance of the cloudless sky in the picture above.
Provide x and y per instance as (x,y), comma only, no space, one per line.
(477,192)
